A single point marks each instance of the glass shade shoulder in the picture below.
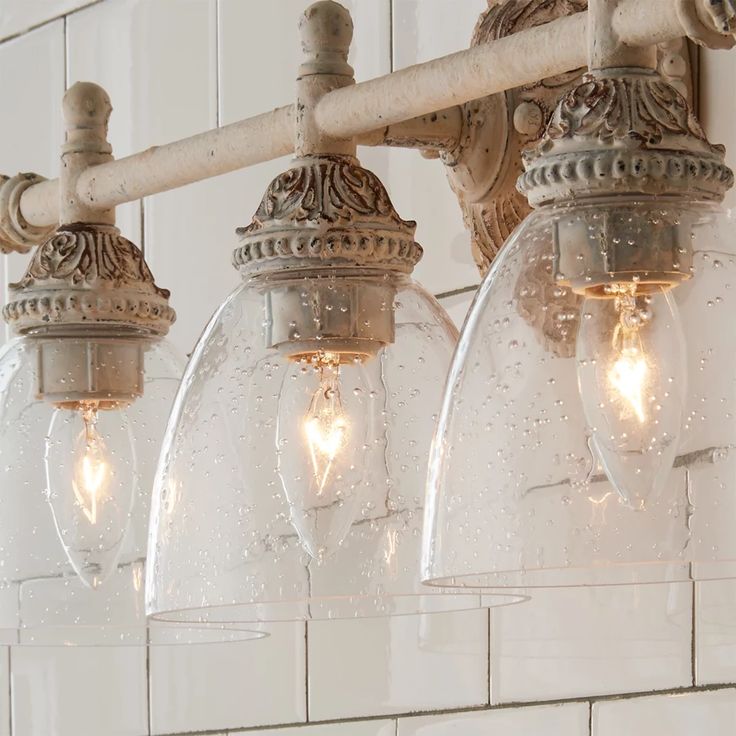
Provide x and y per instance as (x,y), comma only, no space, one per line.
(291,485)
(587,434)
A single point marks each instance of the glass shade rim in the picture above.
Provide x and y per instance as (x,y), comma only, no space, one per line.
(430,603)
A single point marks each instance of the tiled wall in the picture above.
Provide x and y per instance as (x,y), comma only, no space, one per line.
(568,663)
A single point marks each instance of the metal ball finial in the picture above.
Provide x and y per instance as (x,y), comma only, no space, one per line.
(326,29)
(86,105)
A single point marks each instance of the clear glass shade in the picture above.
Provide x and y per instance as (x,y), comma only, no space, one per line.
(588,435)
(77,469)
(291,485)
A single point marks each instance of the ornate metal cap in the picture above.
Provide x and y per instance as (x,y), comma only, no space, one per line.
(88,274)
(624,131)
(327,211)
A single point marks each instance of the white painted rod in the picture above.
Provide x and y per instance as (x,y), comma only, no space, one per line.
(368,110)
(215,152)
(522,58)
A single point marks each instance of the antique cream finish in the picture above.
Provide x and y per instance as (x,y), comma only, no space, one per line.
(328,218)
(478,108)
(416,107)
(88,297)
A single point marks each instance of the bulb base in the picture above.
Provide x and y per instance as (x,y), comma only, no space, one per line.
(351,317)
(650,246)
(73,370)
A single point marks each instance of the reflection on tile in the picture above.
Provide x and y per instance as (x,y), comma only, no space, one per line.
(715,635)
(551,720)
(394,665)
(687,714)
(79,691)
(229,686)
(576,642)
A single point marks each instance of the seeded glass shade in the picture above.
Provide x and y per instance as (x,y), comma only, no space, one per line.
(73,556)
(589,440)
(249,522)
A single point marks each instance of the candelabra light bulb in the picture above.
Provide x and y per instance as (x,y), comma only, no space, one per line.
(632,376)
(325,425)
(91,481)
(92,478)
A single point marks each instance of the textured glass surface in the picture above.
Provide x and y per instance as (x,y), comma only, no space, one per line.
(552,396)
(73,548)
(286,491)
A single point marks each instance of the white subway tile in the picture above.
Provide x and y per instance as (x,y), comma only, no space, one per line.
(570,719)
(577,642)
(686,714)
(158,66)
(715,634)
(79,691)
(355,728)
(393,665)
(277,28)
(159,69)
(20,15)
(190,237)
(275,83)
(424,30)
(447,262)
(229,686)
(32,85)
(718,104)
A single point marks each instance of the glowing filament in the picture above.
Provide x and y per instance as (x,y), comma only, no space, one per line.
(628,376)
(325,425)
(91,476)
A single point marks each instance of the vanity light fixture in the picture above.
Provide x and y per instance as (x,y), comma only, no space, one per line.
(85,390)
(589,423)
(291,483)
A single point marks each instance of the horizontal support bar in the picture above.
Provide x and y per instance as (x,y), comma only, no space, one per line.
(215,152)
(396,109)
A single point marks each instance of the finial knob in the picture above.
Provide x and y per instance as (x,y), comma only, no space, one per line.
(326,29)
(86,105)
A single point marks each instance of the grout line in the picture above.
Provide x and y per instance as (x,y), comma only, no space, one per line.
(149,684)
(48,21)
(65,34)
(306,670)
(590,718)
(142,225)
(10,692)
(456,711)
(488,653)
(456,292)
(391,9)
(218,100)
(693,641)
